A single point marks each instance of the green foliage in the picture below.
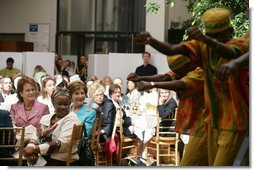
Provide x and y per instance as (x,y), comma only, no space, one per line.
(180,24)
(239,21)
(152,7)
(238,9)
(174,25)
(240,24)
(171,3)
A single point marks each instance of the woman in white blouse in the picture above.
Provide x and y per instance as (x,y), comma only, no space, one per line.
(54,133)
(133,93)
(48,86)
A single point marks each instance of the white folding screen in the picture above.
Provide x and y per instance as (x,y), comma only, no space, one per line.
(31,59)
(26,61)
(98,65)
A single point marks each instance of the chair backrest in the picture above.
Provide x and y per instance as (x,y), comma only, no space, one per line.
(95,135)
(11,140)
(126,144)
(166,126)
(119,129)
(76,139)
(120,123)
(166,135)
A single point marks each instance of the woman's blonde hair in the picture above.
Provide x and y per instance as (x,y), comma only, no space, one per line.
(159,93)
(95,87)
(38,68)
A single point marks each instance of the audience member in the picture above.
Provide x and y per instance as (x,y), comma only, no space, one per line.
(60,80)
(15,81)
(146,69)
(69,68)
(39,72)
(9,97)
(27,111)
(110,107)
(9,71)
(118,81)
(85,114)
(58,64)
(133,95)
(96,97)
(54,133)
(81,69)
(6,86)
(48,87)
(74,78)
(64,69)
(166,107)
(107,81)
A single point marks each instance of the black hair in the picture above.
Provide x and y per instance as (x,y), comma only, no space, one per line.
(10,59)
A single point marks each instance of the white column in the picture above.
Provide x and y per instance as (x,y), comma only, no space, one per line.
(157,24)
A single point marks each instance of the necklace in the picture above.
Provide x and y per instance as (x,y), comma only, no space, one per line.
(28,109)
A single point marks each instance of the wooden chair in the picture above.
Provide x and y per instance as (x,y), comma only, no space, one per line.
(76,140)
(100,160)
(127,145)
(99,155)
(163,146)
(8,140)
(95,143)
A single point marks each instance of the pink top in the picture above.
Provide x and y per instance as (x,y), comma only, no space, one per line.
(18,114)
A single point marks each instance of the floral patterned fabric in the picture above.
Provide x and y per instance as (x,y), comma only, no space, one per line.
(223,100)
(190,115)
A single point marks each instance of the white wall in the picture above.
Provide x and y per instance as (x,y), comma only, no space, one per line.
(16,15)
(157,25)
(179,10)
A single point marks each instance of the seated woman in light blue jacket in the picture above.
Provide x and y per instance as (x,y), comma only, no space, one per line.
(86,115)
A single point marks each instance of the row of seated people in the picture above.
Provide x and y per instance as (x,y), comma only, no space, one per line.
(69,108)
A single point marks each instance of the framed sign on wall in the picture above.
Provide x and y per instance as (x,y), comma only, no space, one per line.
(39,35)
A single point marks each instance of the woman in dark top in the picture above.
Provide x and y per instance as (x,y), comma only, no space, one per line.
(109,114)
(166,108)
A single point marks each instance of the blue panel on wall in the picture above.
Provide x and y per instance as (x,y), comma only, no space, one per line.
(33,28)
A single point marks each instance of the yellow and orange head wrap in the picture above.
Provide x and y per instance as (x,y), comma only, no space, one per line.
(180,64)
(216,20)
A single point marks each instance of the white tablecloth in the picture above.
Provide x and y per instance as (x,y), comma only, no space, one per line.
(143,126)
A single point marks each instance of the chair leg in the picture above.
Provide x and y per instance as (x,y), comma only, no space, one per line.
(109,161)
(158,154)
